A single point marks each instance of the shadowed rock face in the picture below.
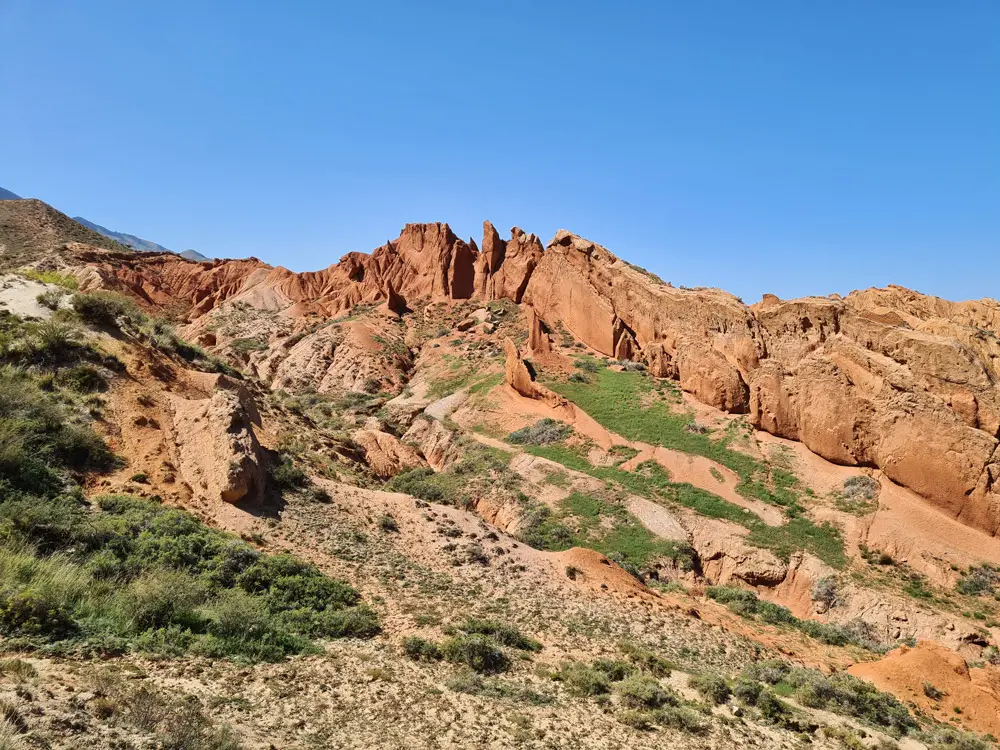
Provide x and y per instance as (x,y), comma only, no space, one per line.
(884,377)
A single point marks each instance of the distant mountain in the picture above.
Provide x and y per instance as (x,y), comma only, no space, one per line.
(6,195)
(136,243)
(193,255)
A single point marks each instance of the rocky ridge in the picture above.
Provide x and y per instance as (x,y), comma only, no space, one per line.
(887,378)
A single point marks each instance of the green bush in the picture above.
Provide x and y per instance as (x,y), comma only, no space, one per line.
(159,580)
(50,298)
(712,687)
(681,718)
(105,308)
(82,379)
(476,651)
(643,691)
(287,476)
(502,633)
(421,649)
(583,680)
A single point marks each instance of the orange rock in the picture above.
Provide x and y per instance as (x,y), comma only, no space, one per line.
(538,340)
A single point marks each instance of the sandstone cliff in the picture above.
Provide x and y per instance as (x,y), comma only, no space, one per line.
(887,378)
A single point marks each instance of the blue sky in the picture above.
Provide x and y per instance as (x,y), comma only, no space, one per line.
(774,146)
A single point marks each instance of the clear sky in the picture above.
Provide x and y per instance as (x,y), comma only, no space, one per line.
(761,146)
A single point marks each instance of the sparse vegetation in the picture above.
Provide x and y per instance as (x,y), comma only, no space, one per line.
(746,604)
(543,432)
(978,580)
(840,693)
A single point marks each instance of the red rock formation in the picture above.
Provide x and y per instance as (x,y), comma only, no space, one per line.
(538,340)
(503,269)
(883,377)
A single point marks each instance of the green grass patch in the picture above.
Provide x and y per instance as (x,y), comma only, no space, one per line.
(631,405)
(651,480)
(583,520)
(51,277)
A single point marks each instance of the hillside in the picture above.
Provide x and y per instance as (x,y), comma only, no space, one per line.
(460,494)
(30,229)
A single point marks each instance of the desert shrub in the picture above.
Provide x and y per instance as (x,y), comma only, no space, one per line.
(932,692)
(681,718)
(421,649)
(638,720)
(543,432)
(981,579)
(825,591)
(177,585)
(746,604)
(40,439)
(245,346)
(712,687)
(643,691)
(422,483)
(82,378)
(477,651)
(502,633)
(587,364)
(747,690)
(17,668)
(949,738)
(388,524)
(286,475)
(50,298)
(583,680)
(614,669)
(840,693)
(105,308)
(646,660)
(861,486)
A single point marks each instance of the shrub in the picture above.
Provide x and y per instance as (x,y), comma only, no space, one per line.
(388,524)
(105,308)
(50,298)
(681,718)
(643,691)
(861,486)
(476,651)
(504,634)
(711,687)
(421,649)
(932,692)
(825,591)
(543,432)
(583,680)
(978,580)
(164,597)
(82,379)
(286,475)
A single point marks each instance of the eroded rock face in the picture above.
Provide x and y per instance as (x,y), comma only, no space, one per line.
(219,455)
(883,377)
(386,454)
(435,441)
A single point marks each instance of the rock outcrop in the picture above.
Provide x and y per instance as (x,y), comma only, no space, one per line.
(883,377)
(219,456)
(386,454)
